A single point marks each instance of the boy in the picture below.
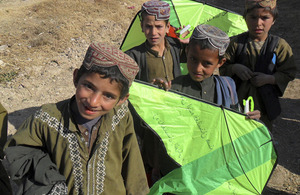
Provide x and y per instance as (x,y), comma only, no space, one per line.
(260,63)
(204,55)
(5,187)
(159,56)
(90,137)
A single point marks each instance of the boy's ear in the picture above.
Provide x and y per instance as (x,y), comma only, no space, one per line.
(75,76)
(168,26)
(221,62)
(121,101)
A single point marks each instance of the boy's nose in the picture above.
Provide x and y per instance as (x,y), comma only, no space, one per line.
(199,67)
(95,100)
(153,31)
(259,21)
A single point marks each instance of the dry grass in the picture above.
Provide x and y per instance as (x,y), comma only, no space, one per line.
(40,30)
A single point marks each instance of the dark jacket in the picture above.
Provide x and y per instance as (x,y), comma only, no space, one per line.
(34,172)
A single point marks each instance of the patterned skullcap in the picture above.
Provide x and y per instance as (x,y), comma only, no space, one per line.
(160,9)
(263,3)
(103,55)
(216,37)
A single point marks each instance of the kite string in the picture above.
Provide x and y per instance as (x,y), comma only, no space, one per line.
(176,13)
(236,151)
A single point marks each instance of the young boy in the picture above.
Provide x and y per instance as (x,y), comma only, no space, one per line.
(90,137)
(204,55)
(159,56)
(260,63)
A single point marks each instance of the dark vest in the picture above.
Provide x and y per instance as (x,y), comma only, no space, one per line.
(265,63)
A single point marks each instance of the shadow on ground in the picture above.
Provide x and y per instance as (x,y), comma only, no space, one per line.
(16,118)
(286,135)
(271,191)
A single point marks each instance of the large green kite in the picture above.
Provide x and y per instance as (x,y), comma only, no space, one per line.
(216,150)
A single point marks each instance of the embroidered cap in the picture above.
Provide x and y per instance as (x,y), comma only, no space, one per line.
(103,55)
(160,9)
(263,3)
(216,37)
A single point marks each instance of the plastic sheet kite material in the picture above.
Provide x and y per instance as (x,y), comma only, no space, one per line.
(218,150)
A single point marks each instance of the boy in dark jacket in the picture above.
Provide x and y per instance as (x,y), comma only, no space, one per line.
(261,64)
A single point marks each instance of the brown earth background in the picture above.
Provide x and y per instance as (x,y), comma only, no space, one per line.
(43,41)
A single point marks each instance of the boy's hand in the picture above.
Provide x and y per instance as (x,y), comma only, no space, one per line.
(184,41)
(242,72)
(253,115)
(166,85)
(259,79)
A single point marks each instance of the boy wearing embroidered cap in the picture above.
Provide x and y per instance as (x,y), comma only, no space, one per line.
(89,138)
(204,55)
(261,64)
(159,56)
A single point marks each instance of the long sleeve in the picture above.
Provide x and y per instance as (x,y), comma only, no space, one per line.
(133,170)
(286,67)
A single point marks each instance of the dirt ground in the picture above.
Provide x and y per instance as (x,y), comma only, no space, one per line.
(43,41)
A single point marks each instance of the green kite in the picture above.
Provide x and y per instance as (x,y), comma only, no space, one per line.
(215,150)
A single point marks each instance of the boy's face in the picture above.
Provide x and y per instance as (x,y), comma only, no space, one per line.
(202,63)
(96,96)
(259,22)
(154,30)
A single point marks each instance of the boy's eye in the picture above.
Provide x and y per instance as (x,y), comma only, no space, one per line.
(87,85)
(265,17)
(208,63)
(109,96)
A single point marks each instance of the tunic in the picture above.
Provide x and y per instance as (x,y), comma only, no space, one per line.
(138,53)
(161,66)
(114,165)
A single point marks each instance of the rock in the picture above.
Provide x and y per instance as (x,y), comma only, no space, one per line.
(2,64)
(3,47)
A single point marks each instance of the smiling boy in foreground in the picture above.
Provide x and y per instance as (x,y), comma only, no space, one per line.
(86,144)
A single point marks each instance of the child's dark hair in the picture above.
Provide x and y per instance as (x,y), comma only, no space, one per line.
(112,72)
(274,12)
(204,44)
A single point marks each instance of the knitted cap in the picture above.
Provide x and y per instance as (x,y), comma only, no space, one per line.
(160,9)
(103,55)
(263,3)
(216,37)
